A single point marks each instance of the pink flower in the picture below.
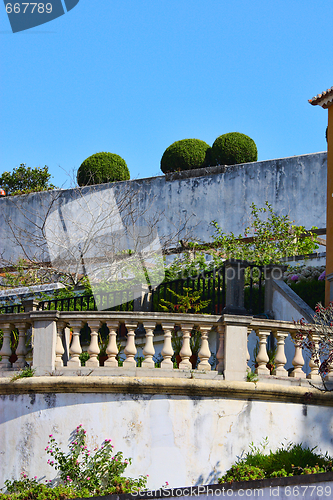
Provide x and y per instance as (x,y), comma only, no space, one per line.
(51,435)
(88,478)
(294,277)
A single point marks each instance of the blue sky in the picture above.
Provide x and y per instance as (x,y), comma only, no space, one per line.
(133,76)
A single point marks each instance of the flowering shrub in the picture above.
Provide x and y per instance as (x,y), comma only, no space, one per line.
(317,338)
(82,473)
(98,471)
(303,273)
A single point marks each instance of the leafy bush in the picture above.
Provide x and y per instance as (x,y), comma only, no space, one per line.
(233,148)
(25,180)
(102,167)
(242,472)
(186,154)
(289,460)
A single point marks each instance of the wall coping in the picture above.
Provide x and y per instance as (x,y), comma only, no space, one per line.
(206,490)
(172,386)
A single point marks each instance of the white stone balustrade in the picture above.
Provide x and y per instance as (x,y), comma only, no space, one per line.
(225,336)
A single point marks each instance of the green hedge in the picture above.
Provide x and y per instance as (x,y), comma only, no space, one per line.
(186,154)
(102,167)
(233,148)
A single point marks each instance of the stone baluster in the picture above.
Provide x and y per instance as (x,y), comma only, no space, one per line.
(149,350)
(204,353)
(314,362)
(75,349)
(262,357)
(167,351)
(93,348)
(130,349)
(220,352)
(185,352)
(248,356)
(112,348)
(59,345)
(21,350)
(298,361)
(280,357)
(6,351)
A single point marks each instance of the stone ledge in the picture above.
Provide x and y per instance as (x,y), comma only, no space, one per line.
(173,386)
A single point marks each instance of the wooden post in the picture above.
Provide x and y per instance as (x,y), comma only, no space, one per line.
(325,100)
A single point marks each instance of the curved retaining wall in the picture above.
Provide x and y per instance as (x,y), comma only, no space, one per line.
(183,431)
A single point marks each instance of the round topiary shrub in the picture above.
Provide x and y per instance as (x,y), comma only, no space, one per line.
(102,167)
(186,154)
(233,148)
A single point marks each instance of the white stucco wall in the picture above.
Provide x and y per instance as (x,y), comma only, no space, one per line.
(290,185)
(180,439)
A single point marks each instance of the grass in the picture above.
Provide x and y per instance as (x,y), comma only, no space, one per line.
(24,373)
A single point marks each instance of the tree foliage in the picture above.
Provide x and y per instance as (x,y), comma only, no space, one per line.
(268,238)
(23,180)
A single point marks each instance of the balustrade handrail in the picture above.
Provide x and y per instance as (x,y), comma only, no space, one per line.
(59,342)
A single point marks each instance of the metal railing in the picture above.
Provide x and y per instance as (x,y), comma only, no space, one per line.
(210,284)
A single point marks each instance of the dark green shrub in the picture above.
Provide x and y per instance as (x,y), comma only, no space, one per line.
(233,148)
(311,292)
(102,167)
(186,154)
